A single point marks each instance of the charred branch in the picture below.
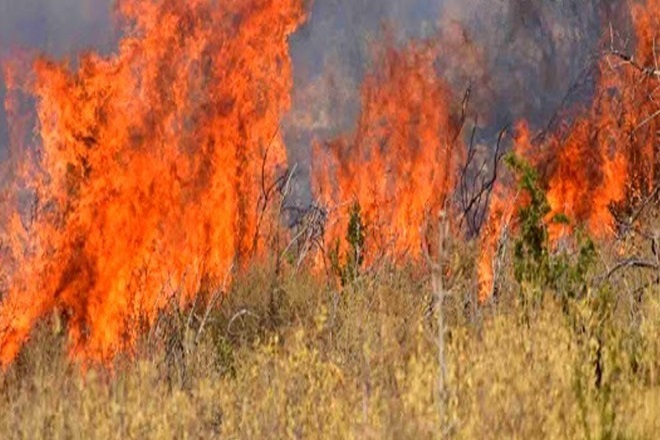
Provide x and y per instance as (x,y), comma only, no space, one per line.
(628,263)
(650,71)
(627,59)
(475,199)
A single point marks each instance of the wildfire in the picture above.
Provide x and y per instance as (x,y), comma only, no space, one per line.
(142,183)
(606,159)
(149,168)
(400,163)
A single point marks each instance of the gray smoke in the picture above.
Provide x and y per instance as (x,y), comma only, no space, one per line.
(531,53)
(56,27)
(331,54)
(538,53)
(524,58)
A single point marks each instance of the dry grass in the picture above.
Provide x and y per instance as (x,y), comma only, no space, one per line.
(294,358)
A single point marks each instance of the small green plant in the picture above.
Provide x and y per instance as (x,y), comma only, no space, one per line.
(225,360)
(536,267)
(348,268)
(588,310)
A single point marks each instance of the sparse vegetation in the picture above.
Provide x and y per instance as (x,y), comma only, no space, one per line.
(537,268)
(347,267)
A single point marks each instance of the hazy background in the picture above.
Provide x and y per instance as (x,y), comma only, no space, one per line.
(523,57)
(532,52)
(60,28)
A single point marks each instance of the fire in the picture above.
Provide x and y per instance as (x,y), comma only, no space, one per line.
(606,159)
(144,180)
(400,163)
(149,169)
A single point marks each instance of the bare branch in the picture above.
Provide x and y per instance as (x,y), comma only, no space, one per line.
(475,207)
(630,60)
(239,314)
(439,293)
(630,262)
(218,292)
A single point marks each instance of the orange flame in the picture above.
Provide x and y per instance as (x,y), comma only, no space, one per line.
(608,156)
(150,169)
(401,161)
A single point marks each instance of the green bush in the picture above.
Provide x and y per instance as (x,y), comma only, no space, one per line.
(537,267)
(348,267)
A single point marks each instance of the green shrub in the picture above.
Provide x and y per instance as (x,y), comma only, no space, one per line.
(348,267)
(537,267)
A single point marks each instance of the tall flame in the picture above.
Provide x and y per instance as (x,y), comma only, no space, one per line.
(608,157)
(149,170)
(400,163)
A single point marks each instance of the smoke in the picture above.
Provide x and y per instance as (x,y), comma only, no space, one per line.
(537,55)
(524,59)
(56,27)
(522,56)
(331,53)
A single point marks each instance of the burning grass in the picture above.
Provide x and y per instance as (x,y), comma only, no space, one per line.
(143,237)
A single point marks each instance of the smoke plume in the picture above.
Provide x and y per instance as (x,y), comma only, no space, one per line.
(524,59)
(531,52)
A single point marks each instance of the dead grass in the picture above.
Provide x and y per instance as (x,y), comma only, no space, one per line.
(295,358)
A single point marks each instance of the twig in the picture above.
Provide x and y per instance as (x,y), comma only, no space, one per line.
(630,60)
(211,303)
(645,122)
(640,210)
(437,281)
(630,262)
(482,196)
(239,314)
(266,193)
